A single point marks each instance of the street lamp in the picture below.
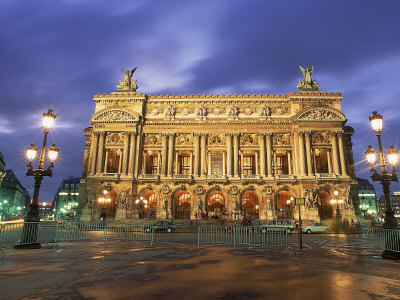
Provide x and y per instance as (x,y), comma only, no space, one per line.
(385,178)
(29,234)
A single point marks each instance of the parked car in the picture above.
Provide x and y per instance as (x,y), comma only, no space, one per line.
(317,227)
(239,226)
(281,223)
(160,226)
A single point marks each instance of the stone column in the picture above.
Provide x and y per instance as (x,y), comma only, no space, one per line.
(328,154)
(120,162)
(164,154)
(294,154)
(334,154)
(106,162)
(125,161)
(158,162)
(261,142)
(269,156)
(315,161)
(229,154)
(236,154)
(223,164)
(289,163)
(341,153)
(95,143)
(144,163)
(138,154)
(132,154)
(209,163)
(191,163)
(301,150)
(256,158)
(275,170)
(170,155)
(196,155)
(241,163)
(101,153)
(308,154)
(203,165)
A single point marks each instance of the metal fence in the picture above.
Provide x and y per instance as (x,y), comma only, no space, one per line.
(194,234)
(385,239)
(250,236)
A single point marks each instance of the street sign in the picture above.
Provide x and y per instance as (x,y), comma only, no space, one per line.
(299,201)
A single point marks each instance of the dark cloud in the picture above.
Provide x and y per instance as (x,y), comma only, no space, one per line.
(60,55)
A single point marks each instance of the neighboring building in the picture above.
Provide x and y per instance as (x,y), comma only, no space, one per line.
(395,198)
(65,202)
(12,197)
(367,199)
(2,165)
(46,210)
(220,156)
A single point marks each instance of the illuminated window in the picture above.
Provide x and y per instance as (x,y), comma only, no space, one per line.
(248,164)
(184,164)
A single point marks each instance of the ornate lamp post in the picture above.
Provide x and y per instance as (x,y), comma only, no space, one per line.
(29,233)
(385,178)
(338,213)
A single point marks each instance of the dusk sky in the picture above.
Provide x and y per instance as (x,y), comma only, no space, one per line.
(59,55)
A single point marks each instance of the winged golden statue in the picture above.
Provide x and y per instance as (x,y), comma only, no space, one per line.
(127,85)
(307,84)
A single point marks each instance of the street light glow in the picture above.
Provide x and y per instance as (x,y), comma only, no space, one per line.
(48,119)
(376,122)
(53,153)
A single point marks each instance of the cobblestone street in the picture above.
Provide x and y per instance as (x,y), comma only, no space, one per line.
(131,270)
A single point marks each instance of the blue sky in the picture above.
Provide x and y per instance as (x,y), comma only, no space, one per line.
(59,54)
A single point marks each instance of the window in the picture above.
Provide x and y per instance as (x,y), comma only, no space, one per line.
(282,164)
(113,161)
(248,164)
(184,164)
(321,161)
(154,164)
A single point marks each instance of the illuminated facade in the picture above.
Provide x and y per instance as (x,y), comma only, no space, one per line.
(218,156)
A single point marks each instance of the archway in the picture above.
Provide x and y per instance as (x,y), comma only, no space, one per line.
(250,206)
(324,205)
(150,208)
(216,204)
(284,210)
(182,206)
(108,206)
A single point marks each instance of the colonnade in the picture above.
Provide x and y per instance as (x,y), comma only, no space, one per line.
(300,155)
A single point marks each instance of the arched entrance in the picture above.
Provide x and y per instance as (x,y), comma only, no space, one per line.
(284,210)
(216,205)
(182,207)
(108,203)
(150,208)
(250,207)
(324,205)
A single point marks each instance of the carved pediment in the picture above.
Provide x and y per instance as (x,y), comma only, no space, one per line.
(114,115)
(321,114)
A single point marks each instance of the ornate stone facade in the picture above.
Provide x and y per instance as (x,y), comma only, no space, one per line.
(219,156)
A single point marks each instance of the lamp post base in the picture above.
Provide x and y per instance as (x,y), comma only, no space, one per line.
(389,254)
(28,246)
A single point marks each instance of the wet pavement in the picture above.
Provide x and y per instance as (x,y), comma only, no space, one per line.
(134,270)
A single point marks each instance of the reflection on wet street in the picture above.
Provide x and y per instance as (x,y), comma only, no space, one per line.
(127,270)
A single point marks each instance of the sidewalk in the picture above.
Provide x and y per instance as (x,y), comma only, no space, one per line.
(132,270)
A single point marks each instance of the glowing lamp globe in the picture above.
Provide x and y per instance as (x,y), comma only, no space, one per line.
(393,156)
(48,119)
(371,155)
(31,152)
(53,153)
(376,122)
